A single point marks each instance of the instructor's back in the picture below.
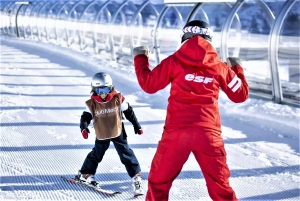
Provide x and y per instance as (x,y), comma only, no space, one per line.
(192,124)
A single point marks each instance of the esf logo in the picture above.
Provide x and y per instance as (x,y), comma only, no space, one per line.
(205,80)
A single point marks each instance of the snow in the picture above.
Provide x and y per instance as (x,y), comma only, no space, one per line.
(43,90)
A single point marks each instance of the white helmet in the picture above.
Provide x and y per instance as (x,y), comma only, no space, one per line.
(101,80)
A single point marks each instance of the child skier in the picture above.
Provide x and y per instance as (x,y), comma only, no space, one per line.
(104,108)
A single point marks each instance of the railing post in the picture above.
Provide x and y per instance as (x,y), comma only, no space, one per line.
(21,5)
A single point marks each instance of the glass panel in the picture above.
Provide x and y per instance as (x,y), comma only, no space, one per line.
(215,15)
(251,44)
(91,12)
(5,17)
(288,54)
(2,5)
(122,24)
(143,28)
(275,6)
(12,19)
(54,9)
(73,25)
(100,28)
(46,8)
(64,12)
(26,19)
(6,7)
(87,24)
(169,31)
(61,21)
(159,6)
(42,15)
(51,20)
(35,20)
(78,10)
(119,26)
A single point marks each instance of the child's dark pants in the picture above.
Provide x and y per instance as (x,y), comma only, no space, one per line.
(125,153)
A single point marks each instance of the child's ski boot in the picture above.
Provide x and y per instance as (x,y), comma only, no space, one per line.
(136,183)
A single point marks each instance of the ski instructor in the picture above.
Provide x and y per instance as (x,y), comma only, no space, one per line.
(192,124)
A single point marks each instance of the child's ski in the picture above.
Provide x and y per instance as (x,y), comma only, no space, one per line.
(95,187)
(138,194)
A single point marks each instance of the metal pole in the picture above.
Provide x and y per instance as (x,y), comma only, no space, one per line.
(17,28)
(21,5)
(273,50)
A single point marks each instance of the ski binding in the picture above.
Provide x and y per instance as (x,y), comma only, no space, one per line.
(95,186)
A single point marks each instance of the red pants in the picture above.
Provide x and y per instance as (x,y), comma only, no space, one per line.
(173,151)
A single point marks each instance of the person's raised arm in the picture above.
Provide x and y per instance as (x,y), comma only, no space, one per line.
(233,81)
(154,80)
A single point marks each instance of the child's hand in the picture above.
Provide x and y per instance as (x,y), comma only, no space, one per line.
(85,133)
(138,130)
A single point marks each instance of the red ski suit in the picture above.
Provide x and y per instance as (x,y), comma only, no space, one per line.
(192,123)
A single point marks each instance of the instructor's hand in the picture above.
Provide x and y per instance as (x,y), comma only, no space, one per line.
(233,61)
(141,50)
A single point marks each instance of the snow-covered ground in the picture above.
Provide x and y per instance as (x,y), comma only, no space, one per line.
(43,90)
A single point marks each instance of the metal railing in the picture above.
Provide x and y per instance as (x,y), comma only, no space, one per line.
(270,51)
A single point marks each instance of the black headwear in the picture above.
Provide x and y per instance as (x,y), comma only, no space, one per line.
(197,27)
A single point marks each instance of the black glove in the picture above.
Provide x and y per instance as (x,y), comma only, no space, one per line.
(138,130)
(85,119)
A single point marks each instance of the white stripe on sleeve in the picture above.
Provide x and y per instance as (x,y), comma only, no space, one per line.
(235,81)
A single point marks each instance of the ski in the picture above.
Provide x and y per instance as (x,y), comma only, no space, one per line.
(138,194)
(94,187)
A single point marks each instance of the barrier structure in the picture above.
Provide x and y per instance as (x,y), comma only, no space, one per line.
(265,34)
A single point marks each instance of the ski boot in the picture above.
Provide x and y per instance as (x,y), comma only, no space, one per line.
(136,183)
(86,178)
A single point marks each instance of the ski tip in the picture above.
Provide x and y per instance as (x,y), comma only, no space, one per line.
(138,195)
(108,192)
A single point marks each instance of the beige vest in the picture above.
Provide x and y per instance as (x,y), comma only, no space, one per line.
(106,117)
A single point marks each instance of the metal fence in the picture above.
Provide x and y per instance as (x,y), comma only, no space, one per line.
(265,34)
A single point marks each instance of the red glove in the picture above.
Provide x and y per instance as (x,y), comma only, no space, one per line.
(138,130)
(85,133)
